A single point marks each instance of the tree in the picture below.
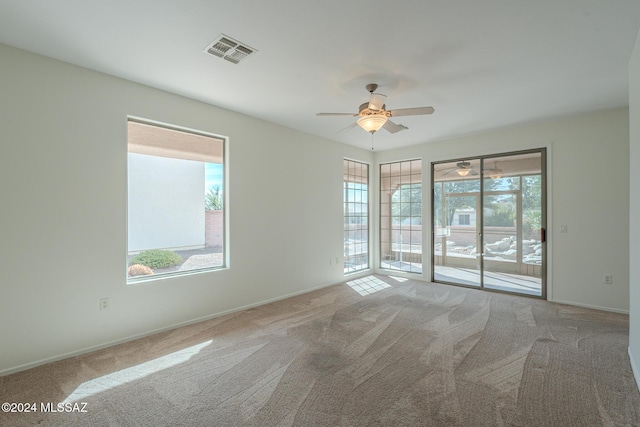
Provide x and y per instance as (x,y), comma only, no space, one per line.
(213,199)
(456,202)
(532,206)
(500,215)
(406,203)
(531,192)
(453,190)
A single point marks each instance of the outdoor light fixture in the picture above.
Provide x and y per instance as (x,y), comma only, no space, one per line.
(494,173)
(372,122)
(463,168)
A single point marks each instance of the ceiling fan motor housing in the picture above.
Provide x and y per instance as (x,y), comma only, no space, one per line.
(364,110)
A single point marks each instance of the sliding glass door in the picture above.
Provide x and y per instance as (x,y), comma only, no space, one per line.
(488,222)
(456,203)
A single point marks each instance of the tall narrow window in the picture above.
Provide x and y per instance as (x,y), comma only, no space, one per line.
(401,216)
(356,216)
(175,201)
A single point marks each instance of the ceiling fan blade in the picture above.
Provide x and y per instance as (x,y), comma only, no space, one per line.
(376,101)
(351,126)
(412,111)
(392,127)
(336,114)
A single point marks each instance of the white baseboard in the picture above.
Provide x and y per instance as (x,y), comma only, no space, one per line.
(595,307)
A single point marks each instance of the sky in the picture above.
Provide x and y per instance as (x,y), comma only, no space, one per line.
(213,175)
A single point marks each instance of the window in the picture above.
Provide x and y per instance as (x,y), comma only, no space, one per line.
(464,219)
(401,216)
(356,216)
(175,201)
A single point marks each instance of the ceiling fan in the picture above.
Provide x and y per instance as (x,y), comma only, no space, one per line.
(494,173)
(463,168)
(373,115)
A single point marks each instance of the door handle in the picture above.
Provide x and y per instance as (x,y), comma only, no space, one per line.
(543,235)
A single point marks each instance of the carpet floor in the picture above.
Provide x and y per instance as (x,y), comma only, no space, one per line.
(382,352)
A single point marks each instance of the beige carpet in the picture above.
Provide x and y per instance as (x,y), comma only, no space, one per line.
(409,354)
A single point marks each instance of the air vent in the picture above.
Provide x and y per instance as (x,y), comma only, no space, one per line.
(227,48)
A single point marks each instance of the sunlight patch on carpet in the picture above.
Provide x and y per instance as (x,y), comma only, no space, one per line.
(367,285)
(124,376)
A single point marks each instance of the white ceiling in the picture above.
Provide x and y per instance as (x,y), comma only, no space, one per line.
(481,64)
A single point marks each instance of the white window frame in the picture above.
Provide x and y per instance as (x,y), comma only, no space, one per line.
(355,250)
(169,149)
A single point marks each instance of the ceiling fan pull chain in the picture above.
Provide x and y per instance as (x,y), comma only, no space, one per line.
(371,141)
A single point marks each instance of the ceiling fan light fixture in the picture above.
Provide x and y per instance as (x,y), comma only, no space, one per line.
(372,122)
(495,173)
(463,168)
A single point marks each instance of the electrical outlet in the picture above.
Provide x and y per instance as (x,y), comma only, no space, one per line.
(104,304)
(608,279)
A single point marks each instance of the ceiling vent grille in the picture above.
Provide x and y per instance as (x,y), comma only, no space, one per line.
(230,49)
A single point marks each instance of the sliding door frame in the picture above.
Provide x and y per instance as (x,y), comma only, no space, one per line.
(480,219)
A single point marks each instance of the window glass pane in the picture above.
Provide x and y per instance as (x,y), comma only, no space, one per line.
(405,168)
(175,201)
(356,213)
(468,185)
(501,184)
(401,216)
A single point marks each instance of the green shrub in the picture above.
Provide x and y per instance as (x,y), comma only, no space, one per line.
(157,258)
(500,215)
(139,270)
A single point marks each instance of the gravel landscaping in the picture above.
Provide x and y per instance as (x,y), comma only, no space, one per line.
(192,260)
